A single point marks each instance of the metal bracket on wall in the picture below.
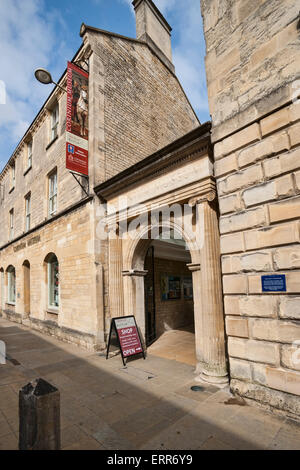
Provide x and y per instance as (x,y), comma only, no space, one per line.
(82,187)
(78,62)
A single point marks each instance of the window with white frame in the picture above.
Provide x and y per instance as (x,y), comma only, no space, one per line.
(52,191)
(11,224)
(27,211)
(11,285)
(53,282)
(54,122)
(29,154)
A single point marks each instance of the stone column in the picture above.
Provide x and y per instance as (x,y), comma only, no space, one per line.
(115,278)
(135,297)
(210,334)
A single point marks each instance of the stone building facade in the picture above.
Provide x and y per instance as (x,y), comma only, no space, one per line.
(136,106)
(237,177)
(253,72)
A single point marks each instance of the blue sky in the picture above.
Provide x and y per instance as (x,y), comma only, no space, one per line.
(45,33)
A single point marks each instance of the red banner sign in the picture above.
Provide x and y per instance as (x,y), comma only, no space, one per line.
(128,335)
(77,133)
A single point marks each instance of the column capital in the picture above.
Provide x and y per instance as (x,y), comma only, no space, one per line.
(194,267)
(207,197)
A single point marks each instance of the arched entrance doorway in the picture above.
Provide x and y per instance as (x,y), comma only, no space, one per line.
(206,284)
(169,305)
(180,176)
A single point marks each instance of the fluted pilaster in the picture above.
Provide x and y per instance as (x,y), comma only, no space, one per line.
(210,345)
(115,278)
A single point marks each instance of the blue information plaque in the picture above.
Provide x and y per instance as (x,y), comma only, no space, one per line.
(273,283)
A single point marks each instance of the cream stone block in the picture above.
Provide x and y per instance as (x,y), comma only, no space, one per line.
(287,258)
(297,180)
(243,220)
(241,179)
(289,307)
(218,150)
(280,142)
(259,306)
(285,210)
(274,330)
(294,133)
(254,153)
(240,369)
(251,350)
(266,147)
(259,261)
(227,61)
(282,164)
(292,283)
(230,203)
(272,236)
(281,187)
(280,379)
(294,111)
(259,194)
(231,305)
(290,356)
(235,284)
(242,138)
(237,327)
(266,50)
(232,243)
(275,121)
(259,373)
(227,265)
(226,165)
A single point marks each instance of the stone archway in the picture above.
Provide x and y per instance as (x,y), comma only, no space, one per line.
(134,252)
(127,285)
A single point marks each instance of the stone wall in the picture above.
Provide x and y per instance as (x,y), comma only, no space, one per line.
(257,171)
(252,50)
(45,158)
(139,105)
(252,64)
(70,239)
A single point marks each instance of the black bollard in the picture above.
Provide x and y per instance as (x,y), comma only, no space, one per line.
(39,416)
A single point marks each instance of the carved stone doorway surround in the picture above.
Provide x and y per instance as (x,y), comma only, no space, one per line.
(149,183)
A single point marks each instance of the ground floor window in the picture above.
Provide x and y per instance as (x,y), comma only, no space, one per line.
(53,282)
(11,285)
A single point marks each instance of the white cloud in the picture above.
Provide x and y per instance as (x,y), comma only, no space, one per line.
(189,53)
(165,5)
(188,49)
(21,23)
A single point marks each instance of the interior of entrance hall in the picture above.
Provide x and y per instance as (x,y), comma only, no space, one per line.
(169,306)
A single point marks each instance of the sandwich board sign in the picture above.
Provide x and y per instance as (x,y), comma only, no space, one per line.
(128,337)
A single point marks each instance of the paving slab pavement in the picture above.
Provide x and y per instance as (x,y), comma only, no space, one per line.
(149,405)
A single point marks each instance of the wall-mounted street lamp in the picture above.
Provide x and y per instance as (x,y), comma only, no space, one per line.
(43,76)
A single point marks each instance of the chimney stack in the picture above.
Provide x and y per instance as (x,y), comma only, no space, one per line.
(152,28)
